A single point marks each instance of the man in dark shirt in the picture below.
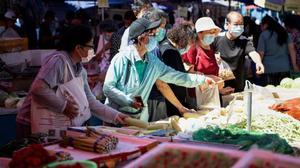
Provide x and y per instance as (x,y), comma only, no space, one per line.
(234,48)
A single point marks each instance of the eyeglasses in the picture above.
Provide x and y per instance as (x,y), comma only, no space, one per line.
(89,46)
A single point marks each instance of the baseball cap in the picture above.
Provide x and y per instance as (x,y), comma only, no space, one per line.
(10,15)
(205,23)
(140,26)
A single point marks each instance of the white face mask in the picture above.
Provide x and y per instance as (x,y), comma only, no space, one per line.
(91,55)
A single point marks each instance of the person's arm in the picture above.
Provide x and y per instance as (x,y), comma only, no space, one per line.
(168,93)
(169,75)
(43,89)
(256,58)
(45,96)
(114,74)
(292,52)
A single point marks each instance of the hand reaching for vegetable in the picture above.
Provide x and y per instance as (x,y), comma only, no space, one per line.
(72,107)
(183,110)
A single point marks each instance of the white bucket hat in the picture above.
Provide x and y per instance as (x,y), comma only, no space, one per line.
(205,23)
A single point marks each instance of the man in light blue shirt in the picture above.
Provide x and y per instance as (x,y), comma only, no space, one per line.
(134,70)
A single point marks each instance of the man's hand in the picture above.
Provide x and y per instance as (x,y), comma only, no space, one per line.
(120,119)
(183,110)
(72,107)
(260,69)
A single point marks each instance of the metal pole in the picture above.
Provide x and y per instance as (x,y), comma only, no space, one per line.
(249,109)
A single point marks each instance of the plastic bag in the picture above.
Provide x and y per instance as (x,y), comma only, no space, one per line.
(225,71)
(208,98)
(259,92)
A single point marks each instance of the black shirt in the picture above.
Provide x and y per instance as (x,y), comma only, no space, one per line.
(171,57)
(234,52)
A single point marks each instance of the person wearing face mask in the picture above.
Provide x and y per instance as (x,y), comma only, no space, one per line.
(234,49)
(134,70)
(202,57)
(171,49)
(161,90)
(60,96)
(139,8)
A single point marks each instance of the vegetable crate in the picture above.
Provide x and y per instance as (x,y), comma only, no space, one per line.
(170,155)
(256,158)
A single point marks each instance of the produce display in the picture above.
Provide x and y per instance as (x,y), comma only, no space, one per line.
(94,142)
(11,100)
(275,123)
(244,139)
(14,145)
(171,155)
(290,107)
(218,117)
(32,156)
(177,158)
(288,83)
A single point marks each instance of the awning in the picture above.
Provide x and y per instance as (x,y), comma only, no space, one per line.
(278,5)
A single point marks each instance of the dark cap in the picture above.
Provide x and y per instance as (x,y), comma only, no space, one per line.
(140,26)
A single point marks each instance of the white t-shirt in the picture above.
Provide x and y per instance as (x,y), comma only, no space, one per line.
(124,40)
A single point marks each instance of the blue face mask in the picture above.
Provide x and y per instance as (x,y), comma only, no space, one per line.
(237,30)
(151,44)
(208,39)
(160,35)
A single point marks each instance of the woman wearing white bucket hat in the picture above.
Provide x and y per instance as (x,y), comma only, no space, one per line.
(201,55)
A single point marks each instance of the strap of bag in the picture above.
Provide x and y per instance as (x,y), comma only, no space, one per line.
(127,71)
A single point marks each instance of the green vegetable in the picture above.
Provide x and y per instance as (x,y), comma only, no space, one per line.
(270,86)
(296,84)
(233,135)
(286,82)
(283,125)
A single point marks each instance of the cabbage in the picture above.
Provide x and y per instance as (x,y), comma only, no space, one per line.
(296,84)
(297,80)
(286,82)
(270,86)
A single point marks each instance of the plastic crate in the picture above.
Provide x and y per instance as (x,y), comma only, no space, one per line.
(170,155)
(265,159)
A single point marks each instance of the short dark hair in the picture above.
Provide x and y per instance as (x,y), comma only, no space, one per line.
(76,35)
(182,34)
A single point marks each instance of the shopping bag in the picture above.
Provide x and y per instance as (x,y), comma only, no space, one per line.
(225,71)
(208,97)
